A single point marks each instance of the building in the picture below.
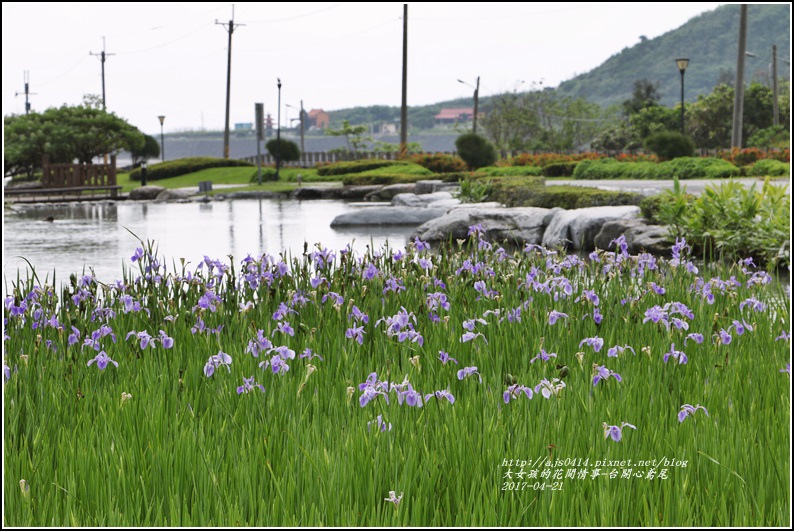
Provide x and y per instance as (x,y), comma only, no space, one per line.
(318,118)
(454,116)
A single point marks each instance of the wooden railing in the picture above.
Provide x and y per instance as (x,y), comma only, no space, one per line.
(79,175)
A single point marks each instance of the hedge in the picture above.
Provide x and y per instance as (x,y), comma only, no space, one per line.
(770,168)
(682,168)
(355,166)
(175,168)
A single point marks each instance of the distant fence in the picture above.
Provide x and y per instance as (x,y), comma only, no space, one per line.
(78,175)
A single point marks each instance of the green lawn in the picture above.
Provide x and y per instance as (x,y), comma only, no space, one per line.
(234,175)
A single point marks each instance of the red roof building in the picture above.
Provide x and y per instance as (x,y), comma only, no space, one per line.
(454,116)
(319,119)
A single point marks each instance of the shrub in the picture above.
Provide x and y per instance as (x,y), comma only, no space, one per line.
(356,166)
(668,145)
(731,221)
(560,169)
(440,163)
(510,171)
(475,150)
(175,168)
(571,197)
(474,190)
(770,168)
(454,177)
(600,169)
(681,168)
(511,190)
(698,168)
(286,150)
(363,179)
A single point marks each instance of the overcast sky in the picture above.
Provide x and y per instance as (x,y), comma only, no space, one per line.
(170,58)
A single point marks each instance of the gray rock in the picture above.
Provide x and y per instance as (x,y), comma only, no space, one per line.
(427,187)
(387,192)
(640,236)
(357,192)
(144,193)
(388,216)
(514,225)
(310,192)
(253,194)
(415,200)
(578,228)
(172,196)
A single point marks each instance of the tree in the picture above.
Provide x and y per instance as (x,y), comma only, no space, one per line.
(283,150)
(645,94)
(64,134)
(353,135)
(149,150)
(475,150)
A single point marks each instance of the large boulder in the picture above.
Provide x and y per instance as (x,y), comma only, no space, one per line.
(388,216)
(146,193)
(428,186)
(640,236)
(514,225)
(385,193)
(578,228)
(415,200)
(173,195)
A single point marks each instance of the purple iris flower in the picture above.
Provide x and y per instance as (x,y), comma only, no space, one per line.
(358,315)
(74,337)
(468,336)
(282,312)
(369,394)
(371,272)
(602,373)
(444,357)
(357,333)
(723,337)
(144,336)
(616,350)
(595,342)
(336,298)
(102,360)
(7,372)
(420,245)
(753,303)
(382,426)
(548,388)
(284,352)
(591,296)
(470,323)
(218,360)
(597,317)
(514,392)
(543,356)
(783,335)
(655,315)
(248,385)
(677,355)
(283,327)
(476,230)
(658,289)
(741,327)
(437,300)
(616,432)
(554,315)
(787,369)
(441,394)
(167,342)
(259,344)
(688,409)
(277,364)
(309,354)
(412,397)
(697,338)
(468,371)
(138,255)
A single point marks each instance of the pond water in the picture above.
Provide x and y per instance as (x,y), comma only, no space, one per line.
(98,235)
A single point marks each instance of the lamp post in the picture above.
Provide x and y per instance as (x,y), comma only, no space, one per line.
(476,101)
(682,64)
(162,138)
(278,130)
(143,173)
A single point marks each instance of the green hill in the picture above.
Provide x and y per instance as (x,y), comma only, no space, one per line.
(710,41)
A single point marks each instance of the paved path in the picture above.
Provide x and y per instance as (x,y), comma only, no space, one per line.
(694,186)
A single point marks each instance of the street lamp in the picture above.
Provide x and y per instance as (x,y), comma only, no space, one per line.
(302,126)
(278,130)
(682,64)
(162,141)
(476,101)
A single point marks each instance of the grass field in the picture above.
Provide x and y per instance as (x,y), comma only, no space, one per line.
(400,390)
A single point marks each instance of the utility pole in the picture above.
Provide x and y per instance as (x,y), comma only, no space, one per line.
(102,55)
(303,127)
(738,101)
(27,92)
(404,108)
(476,101)
(230,29)
(775,119)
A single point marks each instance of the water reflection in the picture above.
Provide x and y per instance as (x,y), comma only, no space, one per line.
(100,235)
